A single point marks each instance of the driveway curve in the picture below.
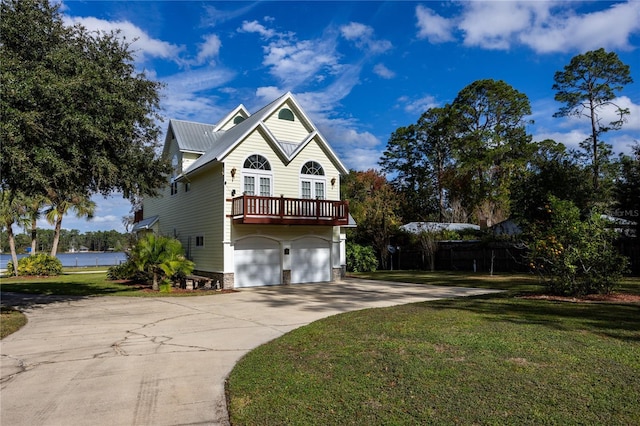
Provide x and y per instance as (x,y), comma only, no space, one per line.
(161,361)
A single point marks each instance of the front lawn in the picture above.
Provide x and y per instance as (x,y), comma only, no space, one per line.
(84,284)
(496,359)
(515,283)
(11,321)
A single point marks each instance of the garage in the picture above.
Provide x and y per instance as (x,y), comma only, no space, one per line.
(310,260)
(257,262)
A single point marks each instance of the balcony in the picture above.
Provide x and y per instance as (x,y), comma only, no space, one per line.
(253,209)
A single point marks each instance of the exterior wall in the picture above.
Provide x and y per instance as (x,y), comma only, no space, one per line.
(188,158)
(198,212)
(285,130)
(286,177)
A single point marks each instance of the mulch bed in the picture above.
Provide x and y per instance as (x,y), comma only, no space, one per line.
(147,288)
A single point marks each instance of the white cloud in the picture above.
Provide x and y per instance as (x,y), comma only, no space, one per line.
(493,25)
(432,26)
(608,28)
(544,26)
(382,71)
(258,28)
(609,113)
(142,45)
(187,94)
(364,38)
(209,49)
(361,158)
(416,106)
(296,62)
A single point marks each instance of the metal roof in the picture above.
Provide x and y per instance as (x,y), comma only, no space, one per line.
(196,137)
(417,227)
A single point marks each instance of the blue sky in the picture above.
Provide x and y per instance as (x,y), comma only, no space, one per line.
(361,69)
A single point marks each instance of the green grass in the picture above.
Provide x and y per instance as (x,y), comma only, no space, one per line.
(495,359)
(515,283)
(11,321)
(85,284)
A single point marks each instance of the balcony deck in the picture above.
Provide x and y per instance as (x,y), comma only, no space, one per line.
(253,209)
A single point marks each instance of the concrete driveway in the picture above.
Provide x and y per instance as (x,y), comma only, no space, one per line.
(160,361)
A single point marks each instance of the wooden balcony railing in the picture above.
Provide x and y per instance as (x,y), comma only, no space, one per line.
(250,209)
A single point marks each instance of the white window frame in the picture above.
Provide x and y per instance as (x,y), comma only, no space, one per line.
(257,174)
(313,180)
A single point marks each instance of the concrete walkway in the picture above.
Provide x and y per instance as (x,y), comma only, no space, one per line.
(160,361)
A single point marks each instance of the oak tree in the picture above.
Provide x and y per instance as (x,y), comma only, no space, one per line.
(77,118)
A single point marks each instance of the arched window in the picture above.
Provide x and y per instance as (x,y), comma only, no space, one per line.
(286,114)
(257,176)
(257,162)
(312,168)
(238,119)
(312,181)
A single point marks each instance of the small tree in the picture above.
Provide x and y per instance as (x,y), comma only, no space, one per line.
(573,256)
(361,258)
(161,257)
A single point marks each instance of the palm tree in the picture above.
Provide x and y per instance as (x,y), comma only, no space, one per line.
(162,257)
(12,210)
(81,204)
(33,206)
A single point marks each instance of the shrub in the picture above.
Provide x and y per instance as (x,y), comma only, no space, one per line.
(361,258)
(573,256)
(126,271)
(40,264)
(161,258)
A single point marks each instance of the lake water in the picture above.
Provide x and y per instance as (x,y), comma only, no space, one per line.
(70,260)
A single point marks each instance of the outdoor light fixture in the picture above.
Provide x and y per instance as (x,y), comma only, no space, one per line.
(333,181)
(233,173)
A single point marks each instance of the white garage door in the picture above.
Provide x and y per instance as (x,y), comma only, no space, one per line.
(257,262)
(310,260)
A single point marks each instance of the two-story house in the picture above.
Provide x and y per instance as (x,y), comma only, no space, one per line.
(254,199)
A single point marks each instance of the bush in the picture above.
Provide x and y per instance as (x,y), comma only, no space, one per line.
(574,257)
(126,271)
(361,258)
(40,264)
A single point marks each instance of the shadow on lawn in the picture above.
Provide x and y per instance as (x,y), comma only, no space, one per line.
(616,320)
(29,295)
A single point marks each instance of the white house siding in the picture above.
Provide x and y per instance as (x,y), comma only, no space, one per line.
(188,158)
(285,130)
(203,217)
(286,178)
(290,177)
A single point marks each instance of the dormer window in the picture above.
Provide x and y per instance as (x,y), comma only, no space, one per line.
(286,114)
(238,119)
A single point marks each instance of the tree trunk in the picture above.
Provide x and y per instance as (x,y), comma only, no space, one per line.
(34,235)
(56,234)
(594,136)
(12,247)
(155,287)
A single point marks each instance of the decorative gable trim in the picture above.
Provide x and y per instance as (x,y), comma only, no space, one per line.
(229,139)
(239,110)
